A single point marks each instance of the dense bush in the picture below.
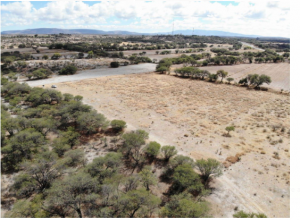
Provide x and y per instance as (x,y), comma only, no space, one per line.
(68,70)
(114,64)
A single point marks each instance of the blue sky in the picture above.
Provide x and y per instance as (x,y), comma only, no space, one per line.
(266,18)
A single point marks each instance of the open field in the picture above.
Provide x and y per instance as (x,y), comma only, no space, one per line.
(279,72)
(192,115)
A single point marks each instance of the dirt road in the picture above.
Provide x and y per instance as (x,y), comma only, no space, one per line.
(88,74)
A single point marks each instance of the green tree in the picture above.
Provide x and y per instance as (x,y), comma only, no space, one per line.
(228,129)
(74,157)
(147,177)
(213,77)
(105,167)
(118,125)
(20,147)
(222,74)
(68,70)
(90,54)
(30,208)
(90,122)
(229,80)
(184,176)
(38,174)
(168,152)
(45,57)
(183,206)
(56,56)
(40,74)
(209,168)
(133,141)
(181,160)
(136,201)
(10,125)
(44,125)
(74,192)
(242,214)
(114,64)
(152,149)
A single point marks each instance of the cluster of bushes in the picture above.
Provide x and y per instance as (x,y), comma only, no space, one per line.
(39,74)
(55,180)
(263,57)
(225,60)
(135,59)
(164,52)
(255,80)
(9,57)
(114,64)
(50,111)
(223,51)
(68,70)
(196,73)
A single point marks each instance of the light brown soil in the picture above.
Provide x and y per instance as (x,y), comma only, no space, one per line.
(192,115)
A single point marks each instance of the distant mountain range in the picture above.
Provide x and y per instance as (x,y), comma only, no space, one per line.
(92,31)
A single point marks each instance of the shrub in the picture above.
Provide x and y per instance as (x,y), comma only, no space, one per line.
(229,128)
(152,149)
(242,214)
(168,151)
(118,125)
(229,80)
(68,70)
(114,64)
(56,56)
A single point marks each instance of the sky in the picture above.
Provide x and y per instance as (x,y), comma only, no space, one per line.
(264,18)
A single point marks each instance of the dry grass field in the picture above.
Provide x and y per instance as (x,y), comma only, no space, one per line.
(192,115)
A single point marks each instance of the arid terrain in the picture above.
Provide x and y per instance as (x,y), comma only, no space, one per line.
(192,115)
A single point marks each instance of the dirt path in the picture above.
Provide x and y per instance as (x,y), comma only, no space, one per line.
(94,73)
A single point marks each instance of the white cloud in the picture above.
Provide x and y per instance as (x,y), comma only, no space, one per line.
(259,17)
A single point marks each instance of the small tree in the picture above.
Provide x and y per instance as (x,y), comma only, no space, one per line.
(213,77)
(147,177)
(90,54)
(222,74)
(56,56)
(152,149)
(184,206)
(118,125)
(229,80)
(90,122)
(168,152)
(184,176)
(68,70)
(45,57)
(114,64)
(242,214)
(80,55)
(209,168)
(228,129)
(74,192)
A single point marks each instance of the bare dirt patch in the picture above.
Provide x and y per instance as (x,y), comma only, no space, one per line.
(192,115)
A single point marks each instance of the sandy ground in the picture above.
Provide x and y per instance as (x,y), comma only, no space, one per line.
(99,72)
(279,72)
(192,115)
